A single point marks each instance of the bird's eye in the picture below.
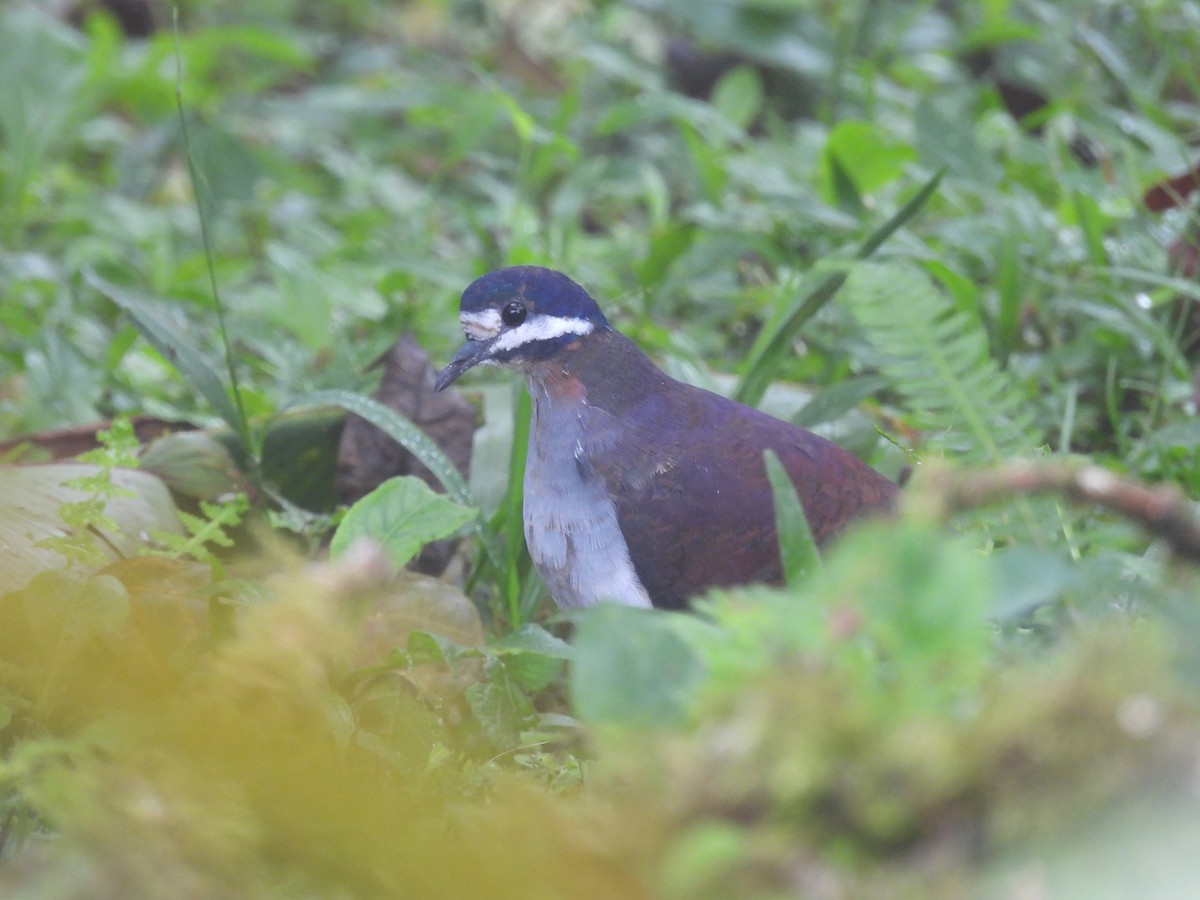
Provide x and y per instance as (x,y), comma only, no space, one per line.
(513,314)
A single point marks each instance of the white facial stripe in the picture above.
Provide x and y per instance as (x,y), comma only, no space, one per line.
(482,325)
(540,328)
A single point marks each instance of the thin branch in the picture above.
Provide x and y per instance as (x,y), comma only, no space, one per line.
(1162,510)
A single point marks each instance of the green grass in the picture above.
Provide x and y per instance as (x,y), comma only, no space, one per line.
(227,225)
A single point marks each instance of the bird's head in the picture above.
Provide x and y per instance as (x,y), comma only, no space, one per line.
(518,317)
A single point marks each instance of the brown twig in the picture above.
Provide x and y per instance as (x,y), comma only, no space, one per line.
(1161,510)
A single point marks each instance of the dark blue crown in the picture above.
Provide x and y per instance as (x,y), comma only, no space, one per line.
(542,291)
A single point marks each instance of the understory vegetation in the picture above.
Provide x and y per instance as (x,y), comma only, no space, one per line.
(961,239)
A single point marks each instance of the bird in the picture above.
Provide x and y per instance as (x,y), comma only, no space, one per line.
(641,489)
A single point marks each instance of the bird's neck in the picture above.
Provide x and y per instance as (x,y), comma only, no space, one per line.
(604,369)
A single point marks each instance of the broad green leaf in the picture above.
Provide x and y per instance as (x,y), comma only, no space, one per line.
(868,154)
(842,188)
(632,667)
(532,655)
(299,456)
(424,647)
(502,710)
(532,638)
(532,671)
(739,96)
(413,439)
(1027,578)
(403,514)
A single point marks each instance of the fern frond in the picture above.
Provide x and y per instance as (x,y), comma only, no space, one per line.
(210,528)
(937,357)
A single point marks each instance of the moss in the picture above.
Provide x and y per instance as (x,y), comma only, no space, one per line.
(796,779)
(253,773)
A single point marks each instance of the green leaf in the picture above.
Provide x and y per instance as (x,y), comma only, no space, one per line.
(1010,289)
(836,400)
(532,671)
(946,135)
(902,215)
(869,155)
(502,710)
(632,667)
(424,647)
(1029,578)
(775,340)
(230,168)
(708,160)
(522,122)
(842,189)
(532,655)
(1092,224)
(797,550)
(403,514)
(739,95)
(532,638)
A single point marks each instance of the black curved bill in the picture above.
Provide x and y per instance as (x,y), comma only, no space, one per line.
(469,355)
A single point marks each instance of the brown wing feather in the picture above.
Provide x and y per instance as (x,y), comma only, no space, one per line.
(685,469)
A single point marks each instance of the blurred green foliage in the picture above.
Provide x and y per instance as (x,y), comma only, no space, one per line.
(1006,704)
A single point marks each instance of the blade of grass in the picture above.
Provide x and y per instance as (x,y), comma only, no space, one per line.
(797,550)
(1009,288)
(506,528)
(175,348)
(1091,227)
(242,425)
(513,523)
(769,350)
(415,441)
(399,429)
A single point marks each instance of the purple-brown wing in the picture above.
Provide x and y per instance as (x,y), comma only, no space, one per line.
(693,498)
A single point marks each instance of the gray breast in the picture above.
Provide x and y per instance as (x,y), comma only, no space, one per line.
(570,521)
